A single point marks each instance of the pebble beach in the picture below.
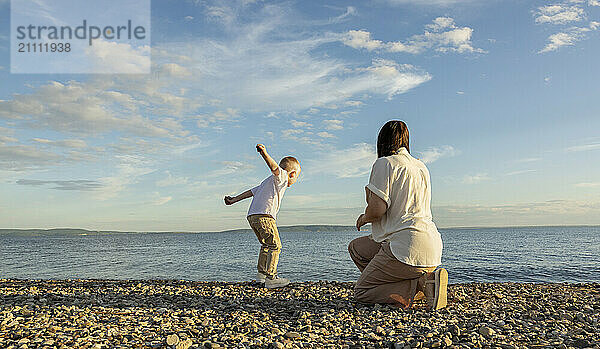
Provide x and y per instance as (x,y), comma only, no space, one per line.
(185,314)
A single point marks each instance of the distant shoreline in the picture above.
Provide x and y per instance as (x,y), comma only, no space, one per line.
(289,228)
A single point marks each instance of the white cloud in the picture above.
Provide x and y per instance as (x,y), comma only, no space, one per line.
(6,130)
(430,2)
(354,161)
(559,14)
(73,106)
(118,58)
(585,147)
(588,185)
(178,150)
(333,124)
(26,157)
(325,135)
(353,103)
(442,35)
(129,170)
(539,213)
(174,70)
(441,23)
(66,143)
(297,123)
(171,180)
(286,76)
(230,167)
(301,136)
(162,200)
(290,132)
(135,146)
(434,153)
(77,185)
(593,2)
(477,178)
(528,160)
(188,18)
(223,14)
(460,92)
(387,78)
(514,173)
(350,12)
(282,74)
(7,139)
(362,39)
(568,37)
(207,120)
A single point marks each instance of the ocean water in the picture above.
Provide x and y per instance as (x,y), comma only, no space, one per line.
(528,254)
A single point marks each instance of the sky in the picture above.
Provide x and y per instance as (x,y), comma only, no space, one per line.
(501,99)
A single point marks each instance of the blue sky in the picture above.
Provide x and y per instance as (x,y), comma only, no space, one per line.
(500,98)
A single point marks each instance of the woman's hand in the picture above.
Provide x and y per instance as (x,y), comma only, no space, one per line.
(360,221)
(376,208)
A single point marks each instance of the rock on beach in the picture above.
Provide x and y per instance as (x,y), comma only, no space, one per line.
(185,314)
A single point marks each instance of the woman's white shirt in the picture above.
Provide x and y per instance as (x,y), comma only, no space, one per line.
(403,183)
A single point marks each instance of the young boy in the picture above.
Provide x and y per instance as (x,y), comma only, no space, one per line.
(266,199)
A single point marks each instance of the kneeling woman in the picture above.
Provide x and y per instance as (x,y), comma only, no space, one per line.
(399,259)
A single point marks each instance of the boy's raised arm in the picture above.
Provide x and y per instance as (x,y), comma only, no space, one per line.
(262,150)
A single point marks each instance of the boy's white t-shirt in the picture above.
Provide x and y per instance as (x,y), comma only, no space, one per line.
(268,194)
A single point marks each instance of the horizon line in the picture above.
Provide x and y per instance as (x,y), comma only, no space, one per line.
(298,225)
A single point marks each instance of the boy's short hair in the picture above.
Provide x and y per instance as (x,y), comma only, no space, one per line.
(289,163)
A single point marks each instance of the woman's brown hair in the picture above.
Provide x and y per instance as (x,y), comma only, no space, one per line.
(392,136)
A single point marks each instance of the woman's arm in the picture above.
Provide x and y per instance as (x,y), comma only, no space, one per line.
(376,208)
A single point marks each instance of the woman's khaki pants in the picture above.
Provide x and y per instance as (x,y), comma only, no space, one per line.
(384,279)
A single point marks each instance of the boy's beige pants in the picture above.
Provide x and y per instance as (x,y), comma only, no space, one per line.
(266,231)
(384,278)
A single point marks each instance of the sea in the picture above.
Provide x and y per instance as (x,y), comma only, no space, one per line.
(519,254)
